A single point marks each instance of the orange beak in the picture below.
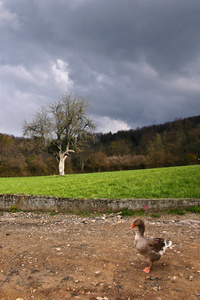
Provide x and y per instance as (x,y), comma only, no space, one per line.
(133,225)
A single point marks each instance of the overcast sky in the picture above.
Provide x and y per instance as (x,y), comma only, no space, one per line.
(138,61)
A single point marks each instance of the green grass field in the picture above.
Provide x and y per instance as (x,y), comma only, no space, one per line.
(174,182)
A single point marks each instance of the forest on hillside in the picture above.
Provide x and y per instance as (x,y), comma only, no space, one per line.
(170,144)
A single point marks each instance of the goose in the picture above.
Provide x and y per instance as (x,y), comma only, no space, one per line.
(152,248)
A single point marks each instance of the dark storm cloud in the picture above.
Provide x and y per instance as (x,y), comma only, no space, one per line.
(138,61)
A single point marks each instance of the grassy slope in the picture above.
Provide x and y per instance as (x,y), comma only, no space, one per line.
(176,182)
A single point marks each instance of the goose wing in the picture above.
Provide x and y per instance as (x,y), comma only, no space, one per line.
(157,244)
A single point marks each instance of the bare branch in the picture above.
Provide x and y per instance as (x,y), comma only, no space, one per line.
(61,126)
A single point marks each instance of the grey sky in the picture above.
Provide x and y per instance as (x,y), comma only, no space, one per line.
(137,60)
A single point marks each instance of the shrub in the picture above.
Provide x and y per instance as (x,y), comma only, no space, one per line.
(13,209)
(155,215)
(176,211)
(126,212)
(194,209)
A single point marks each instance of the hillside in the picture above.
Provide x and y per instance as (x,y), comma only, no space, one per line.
(170,144)
(174,182)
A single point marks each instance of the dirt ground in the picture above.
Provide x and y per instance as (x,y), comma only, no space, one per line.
(71,257)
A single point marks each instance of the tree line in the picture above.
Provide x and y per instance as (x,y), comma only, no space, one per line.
(170,144)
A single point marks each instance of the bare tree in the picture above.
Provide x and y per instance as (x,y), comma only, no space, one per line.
(60,127)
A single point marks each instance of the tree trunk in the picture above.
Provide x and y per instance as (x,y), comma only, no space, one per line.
(62,164)
(61,159)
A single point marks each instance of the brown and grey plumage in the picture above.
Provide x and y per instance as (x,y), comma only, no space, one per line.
(152,248)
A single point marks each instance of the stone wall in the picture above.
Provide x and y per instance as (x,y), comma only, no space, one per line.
(43,203)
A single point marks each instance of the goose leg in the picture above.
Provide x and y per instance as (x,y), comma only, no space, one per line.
(148,269)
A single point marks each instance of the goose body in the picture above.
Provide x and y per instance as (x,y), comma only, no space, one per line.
(152,248)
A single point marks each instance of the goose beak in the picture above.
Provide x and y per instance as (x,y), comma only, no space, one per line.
(133,225)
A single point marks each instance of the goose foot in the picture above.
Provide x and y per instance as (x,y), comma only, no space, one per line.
(148,269)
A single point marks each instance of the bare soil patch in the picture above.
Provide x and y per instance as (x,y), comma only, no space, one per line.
(71,257)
